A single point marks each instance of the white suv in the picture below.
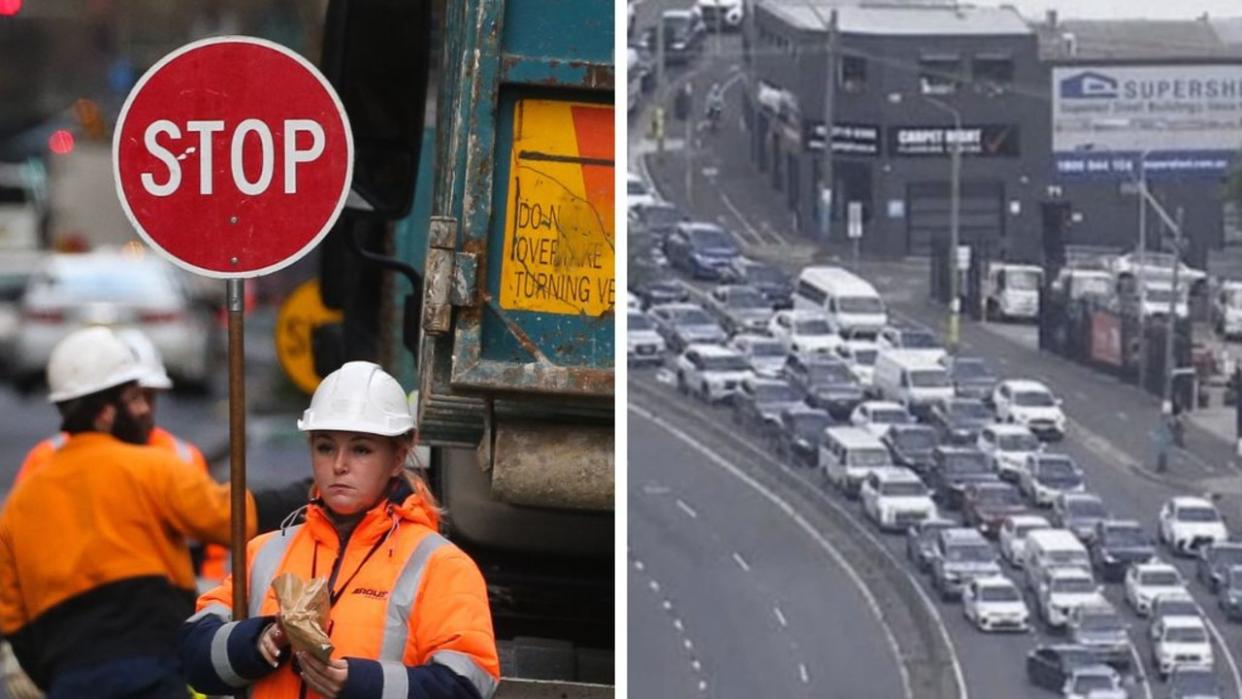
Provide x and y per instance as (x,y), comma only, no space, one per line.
(1007,447)
(1013,533)
(995,604)
(1062,589)
(895,498)
(1147,581)
(712,372)
(643,344)
(1030,404)
(804,331)
(1179,641)
(1188,522)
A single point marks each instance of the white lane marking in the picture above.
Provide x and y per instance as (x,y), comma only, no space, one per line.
(681,505)
(811,532)
(1224,648)
(806,677)
(638,565)
(751,236)
(780,617)
(702,685)
(1139,668)
(741,562)
(655,586)
(696,665)
(687,643)
(759,239)
(943,629)
(678,625)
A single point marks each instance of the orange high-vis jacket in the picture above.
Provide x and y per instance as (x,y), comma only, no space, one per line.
(409,614)
(93,558)
(215,557)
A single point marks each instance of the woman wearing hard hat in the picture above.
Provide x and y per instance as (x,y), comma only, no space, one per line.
(408,610)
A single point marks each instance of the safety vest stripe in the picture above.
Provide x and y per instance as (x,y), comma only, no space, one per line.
(214,609)
(401,601)
(396,680)
(465,666)
(220,656)
(266,563)
(183,449)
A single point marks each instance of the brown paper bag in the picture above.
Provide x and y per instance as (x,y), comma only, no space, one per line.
(304,608)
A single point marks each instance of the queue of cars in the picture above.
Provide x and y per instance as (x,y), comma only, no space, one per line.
(942,449)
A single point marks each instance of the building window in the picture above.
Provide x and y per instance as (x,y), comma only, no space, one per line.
(939,75)
(853,75)
(993,70)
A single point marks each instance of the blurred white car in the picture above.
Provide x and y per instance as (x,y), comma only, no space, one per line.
(860,356)
(119,290)
(765,354)
(637,193)
(1186,523)
(1007,447)
(1062,589)
(1147,581)
(711,372)
(994,603)
(876,416)
(1180,641)
(643,344)
(1030,404)
(1012,536)
(804,331)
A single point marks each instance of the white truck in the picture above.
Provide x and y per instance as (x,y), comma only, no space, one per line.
(1011,291)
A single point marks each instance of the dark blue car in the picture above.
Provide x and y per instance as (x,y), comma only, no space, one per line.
(703,250)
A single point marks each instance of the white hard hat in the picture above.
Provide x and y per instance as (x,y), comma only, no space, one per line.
(359,397)
(89,361)
(155,375)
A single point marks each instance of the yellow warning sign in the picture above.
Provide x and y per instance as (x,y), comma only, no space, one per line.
(300,313)
(559,255)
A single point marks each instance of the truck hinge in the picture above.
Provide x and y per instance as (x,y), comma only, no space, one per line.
(451,276)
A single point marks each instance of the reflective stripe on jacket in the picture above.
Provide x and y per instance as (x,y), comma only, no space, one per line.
(410,613)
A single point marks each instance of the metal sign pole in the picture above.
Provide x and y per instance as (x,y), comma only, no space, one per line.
(237,442)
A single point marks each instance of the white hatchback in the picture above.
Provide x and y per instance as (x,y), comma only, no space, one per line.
(994,603)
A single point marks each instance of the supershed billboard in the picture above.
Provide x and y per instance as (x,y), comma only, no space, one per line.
(1183,120)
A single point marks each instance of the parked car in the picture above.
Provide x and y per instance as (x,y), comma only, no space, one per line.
(876,416)
(1052,667)
(1229,593)
(1117,544)
(711,372)
(765,354)
(1227,310)
(986,505)
(1215,560)
(68,292)
(921,540)
(1180,641)
(1007,447)
(655,291)
(995,604)
(684,324)
(804,332)
(961,555)
(771,281)
(802,428)
(683,36)
(1101,628)
(1144,582)
(637,192)
(913,340)
(959,420)
(1047,476)
(758,403)
(825,382)
(1012,536)
(894,498)
(1060,590)
(911,446)
(657,218)
(1186,523)
(701,249)
(1188,682)
(740,309)
(971,376)
(1030,404)
(953,469)
(644,346)
(1079,512)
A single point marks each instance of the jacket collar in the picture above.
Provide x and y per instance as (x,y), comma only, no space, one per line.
(400,507)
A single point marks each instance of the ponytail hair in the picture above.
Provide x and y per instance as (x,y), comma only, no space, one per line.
(413,469)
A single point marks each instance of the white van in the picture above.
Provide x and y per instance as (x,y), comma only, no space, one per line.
(910,378)
(1053,548)
(850,302)
(847,455)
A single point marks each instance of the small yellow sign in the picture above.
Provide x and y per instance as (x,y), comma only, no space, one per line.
(300,313)
(559,254)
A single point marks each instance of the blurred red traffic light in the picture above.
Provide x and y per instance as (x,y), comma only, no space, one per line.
(61,141)
(10,7)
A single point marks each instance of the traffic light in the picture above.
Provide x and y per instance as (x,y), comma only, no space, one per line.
(8,8)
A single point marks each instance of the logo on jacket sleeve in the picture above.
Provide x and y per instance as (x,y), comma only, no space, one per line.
(369,592)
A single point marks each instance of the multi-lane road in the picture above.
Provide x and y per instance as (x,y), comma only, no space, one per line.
(765,536)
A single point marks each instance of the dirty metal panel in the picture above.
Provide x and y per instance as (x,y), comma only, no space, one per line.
(565,30)
(535,70)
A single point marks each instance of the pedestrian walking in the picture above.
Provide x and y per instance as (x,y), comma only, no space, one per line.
(95,576)
(408,611)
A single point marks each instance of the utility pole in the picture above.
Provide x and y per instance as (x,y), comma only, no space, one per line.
(955,196)
(689,147)
(1142,253)
(659,86)
(1171,330)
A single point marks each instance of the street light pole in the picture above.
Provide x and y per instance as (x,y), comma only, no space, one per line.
(1171,328)
(1142,270)
(955,181)
(659,86)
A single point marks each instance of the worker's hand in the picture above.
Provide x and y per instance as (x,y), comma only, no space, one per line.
(325,678)
(272,642)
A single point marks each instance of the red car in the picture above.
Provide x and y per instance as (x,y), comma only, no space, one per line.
(986,505)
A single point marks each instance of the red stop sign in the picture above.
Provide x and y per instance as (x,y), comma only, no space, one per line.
(232,157)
